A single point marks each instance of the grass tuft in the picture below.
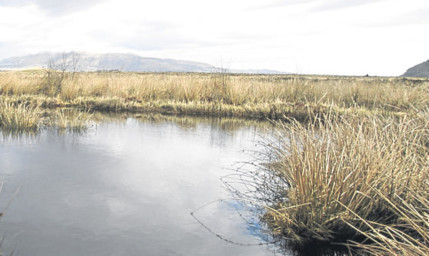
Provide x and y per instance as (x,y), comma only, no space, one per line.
(72,120)
(339,179)
(19,117)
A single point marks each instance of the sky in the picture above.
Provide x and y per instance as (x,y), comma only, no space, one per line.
(339,37)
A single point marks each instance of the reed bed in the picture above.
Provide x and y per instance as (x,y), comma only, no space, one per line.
(19,117)
(357,181)
(16,117)
(261,96)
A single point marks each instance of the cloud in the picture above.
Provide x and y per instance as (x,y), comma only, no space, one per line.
(407,18)
(320,5)
(341,4)
(54,7)
(279,4)
(322,36)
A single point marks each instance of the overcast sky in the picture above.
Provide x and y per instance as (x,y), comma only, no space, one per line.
(350,37)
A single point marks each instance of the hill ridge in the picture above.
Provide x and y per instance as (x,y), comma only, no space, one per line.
(84,61)
(419,70)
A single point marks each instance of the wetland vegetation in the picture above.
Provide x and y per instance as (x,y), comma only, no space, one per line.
(349,164)
(363,182)
(222,94)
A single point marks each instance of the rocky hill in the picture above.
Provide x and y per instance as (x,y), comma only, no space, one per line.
(420,70)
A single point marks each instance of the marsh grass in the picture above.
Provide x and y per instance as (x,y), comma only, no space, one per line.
(260,96)
(71,120)
(362,181)
(409,236)
(19,117)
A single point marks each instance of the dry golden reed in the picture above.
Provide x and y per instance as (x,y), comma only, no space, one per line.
(19,117)
(261,96)
(345,180)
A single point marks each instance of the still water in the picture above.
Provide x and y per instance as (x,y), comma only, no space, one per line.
(126,188)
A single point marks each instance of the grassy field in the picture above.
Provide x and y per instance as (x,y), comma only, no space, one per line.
(255,96)
(355,172)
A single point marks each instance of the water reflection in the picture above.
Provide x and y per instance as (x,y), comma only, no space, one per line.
(125,187)
(14,136)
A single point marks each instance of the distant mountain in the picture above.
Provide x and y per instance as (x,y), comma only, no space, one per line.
(420,70)
(109,61)
(73,61)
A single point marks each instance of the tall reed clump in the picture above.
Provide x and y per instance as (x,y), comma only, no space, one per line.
(72,120)
(19,117)
(349,179)
(410,234)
